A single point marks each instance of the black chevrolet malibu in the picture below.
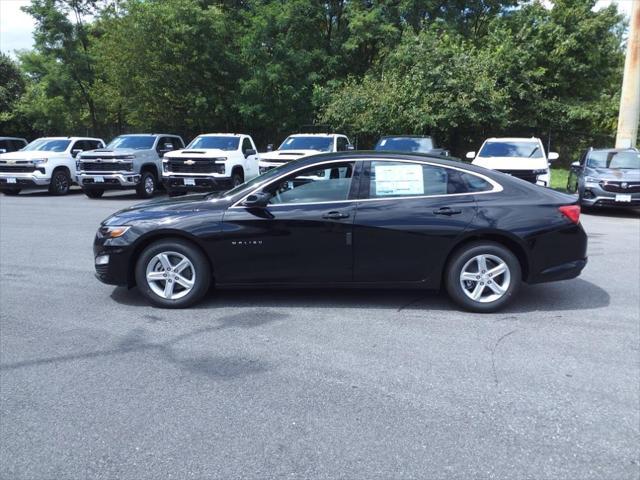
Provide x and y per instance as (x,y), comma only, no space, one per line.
(353,219)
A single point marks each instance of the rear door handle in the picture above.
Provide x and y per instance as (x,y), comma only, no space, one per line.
(335,215)
(447,211)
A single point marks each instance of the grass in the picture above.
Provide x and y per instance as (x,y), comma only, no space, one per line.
(559,178)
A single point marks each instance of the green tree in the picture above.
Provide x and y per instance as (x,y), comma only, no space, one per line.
(12,86)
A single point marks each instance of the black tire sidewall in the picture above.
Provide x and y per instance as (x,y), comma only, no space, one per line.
(462,256)
(52,186)
(141,191)
(197,258)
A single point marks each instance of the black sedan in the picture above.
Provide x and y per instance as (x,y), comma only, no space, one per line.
(607,177)
(353,219)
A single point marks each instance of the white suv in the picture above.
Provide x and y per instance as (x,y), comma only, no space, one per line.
(524,158)
(212,161)
(302,145)
(45,162)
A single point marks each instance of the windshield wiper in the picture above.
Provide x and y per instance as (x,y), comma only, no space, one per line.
(533,151)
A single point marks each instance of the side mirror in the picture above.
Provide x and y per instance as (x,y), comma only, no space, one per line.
(75,152)
(553,156)
(248,152)
(350,147)
(3,150)
(471,155)
(575,165)
(257,200)
(270,147)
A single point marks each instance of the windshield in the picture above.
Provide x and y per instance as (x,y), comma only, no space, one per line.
(511,149)
(620,160)
(274,172)
(219,143)
(137,142)
(322,144)
(405,144)
(48,145)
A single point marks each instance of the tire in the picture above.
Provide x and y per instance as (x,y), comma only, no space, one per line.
(237,178)
(466,260)
(60,182)
(147,185)
(174,251)
(93,192)
(11,191)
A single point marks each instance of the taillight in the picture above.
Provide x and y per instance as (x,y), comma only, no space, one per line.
(572,212)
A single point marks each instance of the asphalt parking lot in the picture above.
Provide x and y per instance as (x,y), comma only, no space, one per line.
(94,383)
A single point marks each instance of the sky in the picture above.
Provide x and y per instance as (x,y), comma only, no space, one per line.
(16,27)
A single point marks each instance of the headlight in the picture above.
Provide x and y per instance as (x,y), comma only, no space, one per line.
(40,161)
(591,179)
(113,232)
(127,157)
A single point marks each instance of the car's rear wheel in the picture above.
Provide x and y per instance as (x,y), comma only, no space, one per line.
(93,192)
(173,274)
(11,191)
(237,178)
(483,276)
(147,185)
(60,182)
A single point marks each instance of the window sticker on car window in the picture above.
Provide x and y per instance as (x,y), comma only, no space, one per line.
(398,180)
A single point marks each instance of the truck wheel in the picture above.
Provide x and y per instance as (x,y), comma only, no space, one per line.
(483,277)
(60,183)
(147,185)
(93,192)
(11,191)
(173,274)
(237,178)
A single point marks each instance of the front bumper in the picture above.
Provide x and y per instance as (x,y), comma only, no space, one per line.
(23,180)
(109,180)
(200,183)
(593,195)
(117,270)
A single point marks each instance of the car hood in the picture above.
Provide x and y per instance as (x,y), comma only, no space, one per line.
(287,155)
(108,152)
(199,152)
(30,154)
(614,174)
(158,209)
(511,163)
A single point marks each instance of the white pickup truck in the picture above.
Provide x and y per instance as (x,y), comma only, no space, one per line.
(302,145)
(212,161)
(45,162)
(523,158)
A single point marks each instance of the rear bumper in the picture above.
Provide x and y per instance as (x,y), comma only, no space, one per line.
(109,180)
(201,183)
(565,271)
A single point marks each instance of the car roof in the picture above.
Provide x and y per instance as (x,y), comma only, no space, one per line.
(148,135)
(406,136)
(69,138)
(222,134)
(614,150)
(317,135)
(13,138)
(513,139)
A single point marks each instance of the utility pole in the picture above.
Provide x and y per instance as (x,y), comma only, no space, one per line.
(630,99)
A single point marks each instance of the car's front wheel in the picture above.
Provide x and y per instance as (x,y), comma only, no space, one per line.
(483,276)
(147,185)
(173,274)
(60,182)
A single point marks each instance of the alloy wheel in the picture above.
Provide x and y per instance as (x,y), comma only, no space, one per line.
(149,185)
(485,278)
(170,275)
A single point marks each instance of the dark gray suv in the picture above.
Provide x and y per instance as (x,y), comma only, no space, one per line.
(607,178)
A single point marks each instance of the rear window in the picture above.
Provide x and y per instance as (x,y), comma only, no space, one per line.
(220,143)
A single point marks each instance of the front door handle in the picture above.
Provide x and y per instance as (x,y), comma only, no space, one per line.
(335,215)
(447,211)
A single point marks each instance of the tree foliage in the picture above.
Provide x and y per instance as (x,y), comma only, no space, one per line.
(461,69)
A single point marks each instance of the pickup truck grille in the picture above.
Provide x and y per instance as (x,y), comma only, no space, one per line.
(106,166)
(195,166)
(17,168)
(616,187)
(527,175)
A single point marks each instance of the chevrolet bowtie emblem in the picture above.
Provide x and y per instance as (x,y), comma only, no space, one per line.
(624,185)
(189,162)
